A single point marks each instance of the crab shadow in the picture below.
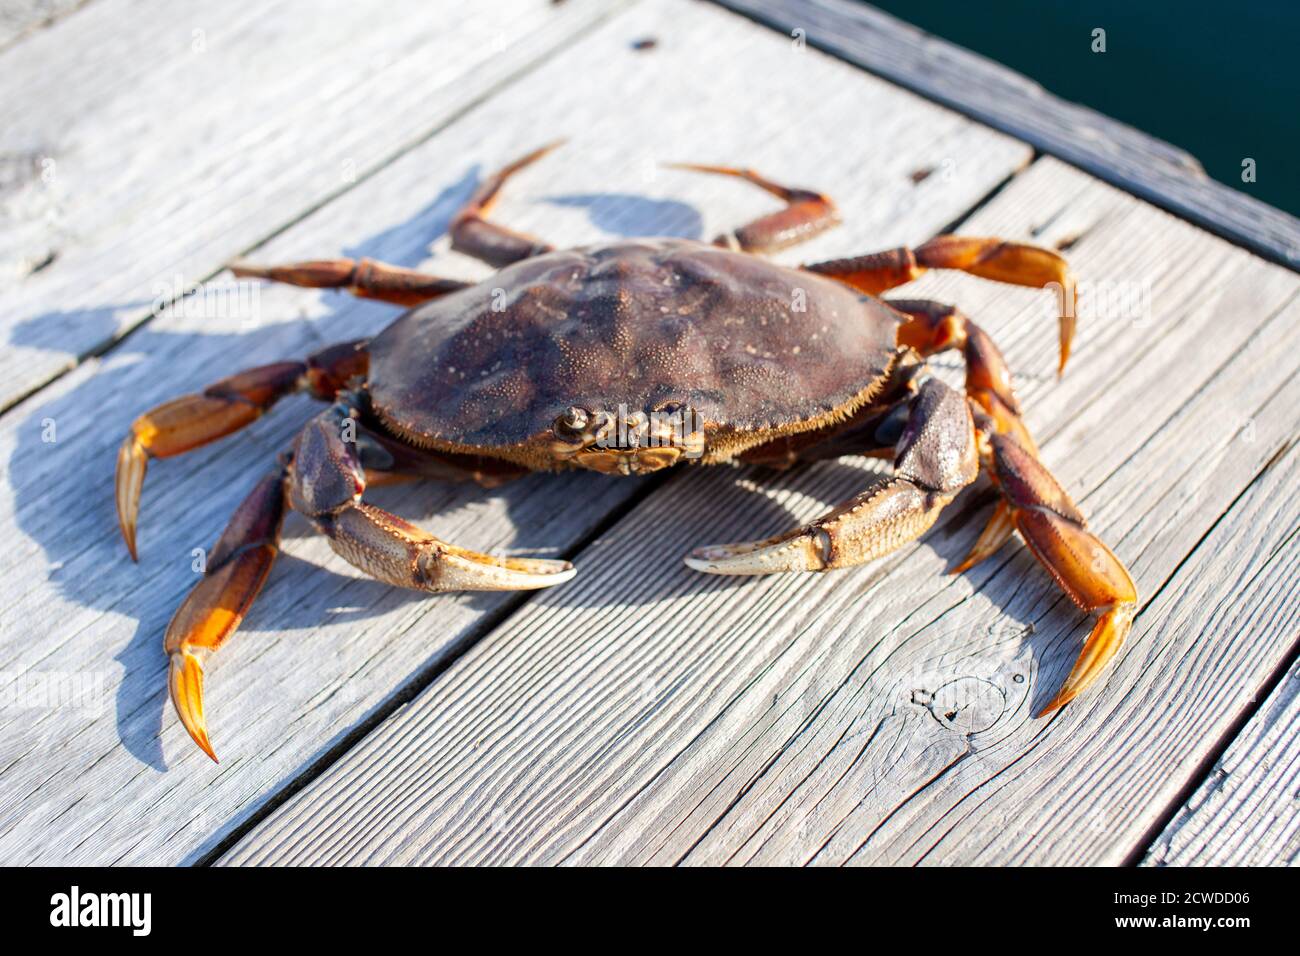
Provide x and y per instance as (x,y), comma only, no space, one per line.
(91,409)
(619,214)
(63,496)
(70,475)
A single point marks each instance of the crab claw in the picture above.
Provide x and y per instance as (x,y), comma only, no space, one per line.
(467,570)
(397,552)
(866,527)
(804,549)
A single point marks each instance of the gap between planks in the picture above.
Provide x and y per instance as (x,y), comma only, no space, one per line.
(1241,812)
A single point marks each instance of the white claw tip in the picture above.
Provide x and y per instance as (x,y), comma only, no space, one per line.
(758,557)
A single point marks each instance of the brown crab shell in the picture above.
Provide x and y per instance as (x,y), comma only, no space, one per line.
(756,349)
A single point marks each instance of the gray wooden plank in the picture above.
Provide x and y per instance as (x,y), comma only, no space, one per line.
(21,18)
(1212,634)
(1246,812)
(325,653)
(1006,100)
(874,714)
(147,143)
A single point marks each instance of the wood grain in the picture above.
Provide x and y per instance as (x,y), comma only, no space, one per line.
(1246,813)
(883,714)
(21,18)
(1113,151)
(326,653)
(146,144)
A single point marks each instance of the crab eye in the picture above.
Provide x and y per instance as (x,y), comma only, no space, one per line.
(573,421)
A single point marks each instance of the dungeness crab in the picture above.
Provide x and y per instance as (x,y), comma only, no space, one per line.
(627,357)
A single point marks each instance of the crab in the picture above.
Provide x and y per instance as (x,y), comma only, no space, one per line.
(628,357)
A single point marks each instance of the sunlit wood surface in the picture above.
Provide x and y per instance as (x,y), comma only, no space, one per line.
(641,713)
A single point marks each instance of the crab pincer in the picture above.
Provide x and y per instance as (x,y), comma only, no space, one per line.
(323,479)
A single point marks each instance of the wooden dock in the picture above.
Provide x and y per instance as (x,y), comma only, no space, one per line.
(641,713)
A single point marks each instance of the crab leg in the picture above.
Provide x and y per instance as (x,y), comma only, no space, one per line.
(323,479)
(997,259)
(936,458)
(328,482)
(364,278)
(474,235)
(236,570)
(193,421)
(1032,501)
(806,214)
(1081,564)
(935,327)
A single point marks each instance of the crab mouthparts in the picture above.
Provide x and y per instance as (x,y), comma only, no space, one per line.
(625,443)
(625,461)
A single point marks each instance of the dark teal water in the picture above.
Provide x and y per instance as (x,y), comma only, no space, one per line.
(1220,80)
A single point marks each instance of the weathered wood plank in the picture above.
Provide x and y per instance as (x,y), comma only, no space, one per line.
(1006,100)
(145,144)
(1246,813)
(325,651)
(19,18)
(1088,791)
(646,714)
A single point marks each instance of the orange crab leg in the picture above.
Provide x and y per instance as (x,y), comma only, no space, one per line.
(474,235)
(1004,261)
(996,533)
(236,571)
(193,421)
(324,479)
(190,422)
(1081,564)
(934,327)
(806,214)
(364,278)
